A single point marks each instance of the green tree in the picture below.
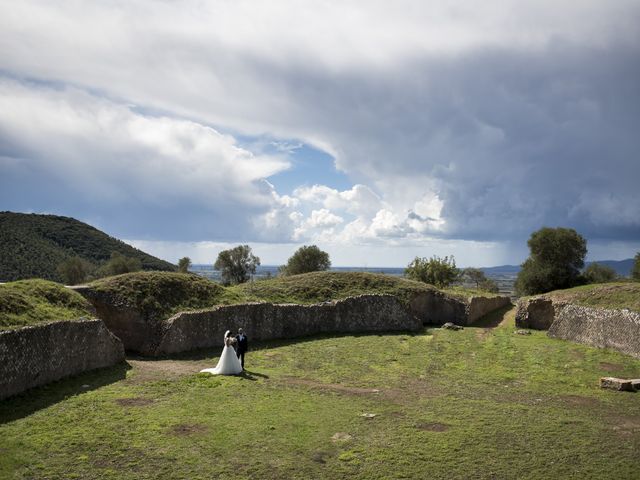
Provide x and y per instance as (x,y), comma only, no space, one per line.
(596,273)
(488,285)
(635,272)
(437,271)
(557,255)
(119,263)
(475,275)
(306,259)
(183,264)
(236,265)
(74,270)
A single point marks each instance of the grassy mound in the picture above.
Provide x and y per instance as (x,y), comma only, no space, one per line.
(29,302)
(322,286)
(161,294)
(602,295)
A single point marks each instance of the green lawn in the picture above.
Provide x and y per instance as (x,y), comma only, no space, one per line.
(476,403)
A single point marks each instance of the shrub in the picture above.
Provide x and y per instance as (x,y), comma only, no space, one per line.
(437,271)
(306,259)
(635,272)
(74,270)
(596,273)
(488,285)
(119,264)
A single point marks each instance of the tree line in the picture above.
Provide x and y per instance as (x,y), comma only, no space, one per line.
(556,261)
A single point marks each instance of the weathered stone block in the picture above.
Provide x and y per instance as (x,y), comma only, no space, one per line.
(536,312)
(616,384)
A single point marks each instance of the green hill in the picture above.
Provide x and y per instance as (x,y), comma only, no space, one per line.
(32,246)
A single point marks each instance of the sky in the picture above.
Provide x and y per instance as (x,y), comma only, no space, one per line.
(379,131)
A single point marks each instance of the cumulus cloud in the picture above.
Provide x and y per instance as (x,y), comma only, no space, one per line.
(67,145)
(452,121)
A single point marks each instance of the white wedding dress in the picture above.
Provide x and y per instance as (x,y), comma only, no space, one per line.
(229,363)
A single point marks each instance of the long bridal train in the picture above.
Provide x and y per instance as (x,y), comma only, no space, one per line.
(229,363)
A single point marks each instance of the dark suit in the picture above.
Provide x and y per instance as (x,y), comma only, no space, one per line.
(243,346)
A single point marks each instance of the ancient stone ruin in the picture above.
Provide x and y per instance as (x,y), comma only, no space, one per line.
(618,329)
(36,355)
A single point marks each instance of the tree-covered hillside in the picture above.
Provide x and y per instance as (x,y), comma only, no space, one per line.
(32,246)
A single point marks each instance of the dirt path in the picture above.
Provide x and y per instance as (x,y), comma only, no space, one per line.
(494,320)
(146,370)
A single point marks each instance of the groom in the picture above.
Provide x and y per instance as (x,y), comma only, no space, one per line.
(243,345)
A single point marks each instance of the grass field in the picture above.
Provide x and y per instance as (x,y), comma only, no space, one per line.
(477,403)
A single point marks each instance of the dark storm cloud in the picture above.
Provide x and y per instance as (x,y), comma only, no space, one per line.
(467,123)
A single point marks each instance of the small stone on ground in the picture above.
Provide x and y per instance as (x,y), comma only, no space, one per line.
(341,437)
(523,332)
(452,326)
(368,415)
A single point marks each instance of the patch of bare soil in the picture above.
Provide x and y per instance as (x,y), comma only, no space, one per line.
(626,426)
(321,457)
(184,429)
(333,387)
(576,355)
(611,367)
(154,370)
(486,325)
(579,401)
(134,402)
(432,426)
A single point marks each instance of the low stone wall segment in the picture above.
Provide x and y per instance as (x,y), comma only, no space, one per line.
(267,321)
(599,327)
(36,355)
(438,308)
(138,332)
(478,307)
(535,312)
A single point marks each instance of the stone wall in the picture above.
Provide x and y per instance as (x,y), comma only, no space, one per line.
(478,307)
(599,327)
(535,312)
(33,356)
(138,332)
(144,334)
(266,321)
(437,308)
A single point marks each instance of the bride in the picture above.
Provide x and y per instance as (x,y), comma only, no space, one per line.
(229,364)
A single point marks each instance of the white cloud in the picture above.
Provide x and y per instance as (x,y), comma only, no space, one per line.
(452,120)
(97,151)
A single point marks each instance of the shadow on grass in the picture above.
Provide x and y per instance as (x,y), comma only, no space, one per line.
(492,319)
(249,375)
(34,399)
